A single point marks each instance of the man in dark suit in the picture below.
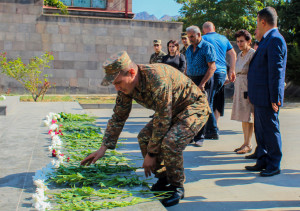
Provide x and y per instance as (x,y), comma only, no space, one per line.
(266,91)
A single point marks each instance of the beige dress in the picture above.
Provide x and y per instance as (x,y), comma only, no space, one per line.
(242,109)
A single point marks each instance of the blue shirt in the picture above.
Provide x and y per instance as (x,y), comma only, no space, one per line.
(197,61)
(222,45)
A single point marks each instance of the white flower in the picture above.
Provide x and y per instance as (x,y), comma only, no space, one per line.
(53,127)
(40,184)
(55,137)
(52,134)
(46,123)
(57,164)
(50,148)
(41,206)
(58,152)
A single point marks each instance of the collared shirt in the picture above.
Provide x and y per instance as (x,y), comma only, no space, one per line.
(197,62)
(162,88)
(222,45)
(266,34)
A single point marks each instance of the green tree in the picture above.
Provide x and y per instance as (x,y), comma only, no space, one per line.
(30,75)
(289,26)
(228,15)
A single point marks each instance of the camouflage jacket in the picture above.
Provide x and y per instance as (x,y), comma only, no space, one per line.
(183,50)
(157,58)
(164,89)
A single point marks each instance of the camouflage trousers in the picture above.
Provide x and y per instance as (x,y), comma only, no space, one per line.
(169,162)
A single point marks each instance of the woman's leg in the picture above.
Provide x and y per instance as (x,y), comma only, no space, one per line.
(248,129)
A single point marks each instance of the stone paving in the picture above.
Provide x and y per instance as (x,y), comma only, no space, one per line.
(215,176)
(24,143)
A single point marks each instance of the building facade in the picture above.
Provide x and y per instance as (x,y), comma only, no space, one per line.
(80,44)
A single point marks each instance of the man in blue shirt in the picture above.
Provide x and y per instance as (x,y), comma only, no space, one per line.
(222,47)
(201,58)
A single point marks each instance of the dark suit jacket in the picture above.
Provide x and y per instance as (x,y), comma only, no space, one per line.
(267,71)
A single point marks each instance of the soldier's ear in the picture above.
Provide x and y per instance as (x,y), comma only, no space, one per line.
(132,72)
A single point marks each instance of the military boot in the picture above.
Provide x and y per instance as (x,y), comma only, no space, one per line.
(160,185)
(177,194)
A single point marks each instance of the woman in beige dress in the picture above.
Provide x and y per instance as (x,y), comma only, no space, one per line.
(242,109)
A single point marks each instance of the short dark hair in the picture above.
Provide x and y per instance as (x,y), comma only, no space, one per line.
(243,32)
(269,15)
(174,42)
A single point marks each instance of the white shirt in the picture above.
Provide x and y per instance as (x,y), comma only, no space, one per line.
(266,34)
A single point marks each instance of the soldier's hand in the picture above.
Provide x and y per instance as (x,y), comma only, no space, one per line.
(149,165)
(92,158)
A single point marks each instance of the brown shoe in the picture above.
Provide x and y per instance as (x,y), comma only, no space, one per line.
(244,150)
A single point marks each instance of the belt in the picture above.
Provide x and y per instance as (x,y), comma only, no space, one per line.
(240,73)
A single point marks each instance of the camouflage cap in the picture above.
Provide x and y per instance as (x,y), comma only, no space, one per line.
(184,35)
(114,65)
(156,42)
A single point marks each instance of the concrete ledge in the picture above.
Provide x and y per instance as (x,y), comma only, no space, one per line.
(105,106)
(3,110)
(8,106)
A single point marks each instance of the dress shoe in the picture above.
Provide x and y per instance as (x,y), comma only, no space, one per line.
(212,136)
(177,194)
(160,185)
(252,156)
(269,173)
(255,167)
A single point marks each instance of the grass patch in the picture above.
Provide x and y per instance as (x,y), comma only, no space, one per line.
(49,98)
(95,99)
(68,98)
(80,99)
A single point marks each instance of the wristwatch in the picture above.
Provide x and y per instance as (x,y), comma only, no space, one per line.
(152,155)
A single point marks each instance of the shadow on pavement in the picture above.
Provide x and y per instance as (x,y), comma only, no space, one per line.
(197,204)
(18,180)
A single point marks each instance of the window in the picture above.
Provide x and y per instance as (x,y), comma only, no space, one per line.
(86,3)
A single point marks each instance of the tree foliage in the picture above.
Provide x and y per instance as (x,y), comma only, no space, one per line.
(228,16)
(30,75)
(289,25)
(58,4)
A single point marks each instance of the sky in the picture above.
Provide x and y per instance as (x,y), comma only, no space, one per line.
(156,7)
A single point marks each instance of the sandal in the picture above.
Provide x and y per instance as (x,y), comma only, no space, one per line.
(244,150)
(238,149)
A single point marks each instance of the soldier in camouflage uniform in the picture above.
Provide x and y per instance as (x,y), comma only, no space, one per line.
(159,54)
(185,42)
(181,110)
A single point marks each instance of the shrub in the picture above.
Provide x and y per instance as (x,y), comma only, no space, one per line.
(58,4)
(30,75)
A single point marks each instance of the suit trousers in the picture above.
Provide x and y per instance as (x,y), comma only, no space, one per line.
(268,137)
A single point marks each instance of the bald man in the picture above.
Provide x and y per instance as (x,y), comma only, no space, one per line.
(223,48)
